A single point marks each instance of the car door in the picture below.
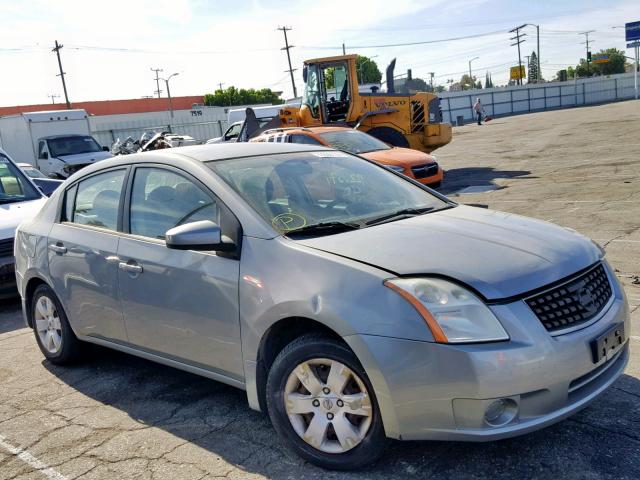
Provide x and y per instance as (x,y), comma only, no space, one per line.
(43,162)
(82,255)
(181,304)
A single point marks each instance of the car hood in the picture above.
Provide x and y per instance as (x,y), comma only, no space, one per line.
(399,156)
(12,214)
(81,158)
(498,254)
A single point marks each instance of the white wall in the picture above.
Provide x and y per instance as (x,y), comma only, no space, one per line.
(537,97)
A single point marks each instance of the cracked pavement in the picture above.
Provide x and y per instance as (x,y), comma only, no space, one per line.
(117,416)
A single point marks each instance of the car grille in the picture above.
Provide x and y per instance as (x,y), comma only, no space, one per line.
(424,171)
(6,248)
(574,302)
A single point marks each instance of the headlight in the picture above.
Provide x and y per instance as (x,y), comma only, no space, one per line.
(396,168)
(453,314)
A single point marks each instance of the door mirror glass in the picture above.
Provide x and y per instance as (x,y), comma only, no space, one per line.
(105,148)
(202,235)
(304,73)
(44,155)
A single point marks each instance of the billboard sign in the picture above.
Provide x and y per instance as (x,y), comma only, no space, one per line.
(632,31)
(600,58)
(514,73)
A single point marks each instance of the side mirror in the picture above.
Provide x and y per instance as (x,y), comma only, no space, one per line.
(44,155)
(202,235)
(105,148)
(305,72)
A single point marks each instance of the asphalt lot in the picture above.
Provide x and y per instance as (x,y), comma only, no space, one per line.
(117,416)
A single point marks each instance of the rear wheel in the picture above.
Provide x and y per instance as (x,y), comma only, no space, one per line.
(322,404)
(53,334)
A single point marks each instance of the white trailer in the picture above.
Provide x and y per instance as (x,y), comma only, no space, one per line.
(26,137)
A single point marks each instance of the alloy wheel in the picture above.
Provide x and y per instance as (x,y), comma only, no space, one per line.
(328,405)
(48,326)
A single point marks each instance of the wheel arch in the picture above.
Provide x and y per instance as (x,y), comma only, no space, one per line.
(275,338)
(32,284)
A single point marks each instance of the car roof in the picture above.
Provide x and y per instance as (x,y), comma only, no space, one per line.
(67,135)
(23,165)
(225,151)
(307,130)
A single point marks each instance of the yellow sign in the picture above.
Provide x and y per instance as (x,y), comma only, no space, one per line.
(514,73)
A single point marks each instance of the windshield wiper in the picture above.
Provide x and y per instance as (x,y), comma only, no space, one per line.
(325,227)
(405,212)
(11,200)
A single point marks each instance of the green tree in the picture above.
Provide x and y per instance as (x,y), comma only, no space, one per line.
(233,96)
(467,82)
(617,64)
(368,71)
(532,74)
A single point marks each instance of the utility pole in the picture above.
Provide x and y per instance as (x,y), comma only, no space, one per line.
(64,85)
(53,96)
(528,66)
(518,42)
(586,34)
(344,51)
(288,47)
(157,70)
(432,74)
(473,83)
(220,85)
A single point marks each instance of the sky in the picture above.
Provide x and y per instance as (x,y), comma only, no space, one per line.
(110,47)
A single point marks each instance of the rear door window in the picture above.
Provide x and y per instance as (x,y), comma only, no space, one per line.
(98,200)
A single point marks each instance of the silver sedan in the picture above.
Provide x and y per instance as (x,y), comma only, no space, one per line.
(351,303)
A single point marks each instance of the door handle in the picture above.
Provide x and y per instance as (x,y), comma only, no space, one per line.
(127,267)
(57,248)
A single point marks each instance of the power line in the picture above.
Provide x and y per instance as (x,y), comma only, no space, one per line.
(157,70)
(62,73)
(288,47)
(425,42)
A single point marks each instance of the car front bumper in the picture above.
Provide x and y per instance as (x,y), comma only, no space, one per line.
(7,278)
(431,391)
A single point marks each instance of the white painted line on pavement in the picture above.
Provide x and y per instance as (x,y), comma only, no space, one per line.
(30,460)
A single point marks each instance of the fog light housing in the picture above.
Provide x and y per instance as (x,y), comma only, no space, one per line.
(500,412)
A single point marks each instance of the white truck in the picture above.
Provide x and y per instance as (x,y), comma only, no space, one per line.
(57,142)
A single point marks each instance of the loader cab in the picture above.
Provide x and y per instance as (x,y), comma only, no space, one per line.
(327,94)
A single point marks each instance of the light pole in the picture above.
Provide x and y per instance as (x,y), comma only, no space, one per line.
(538,50)
(166,82)
(470,75)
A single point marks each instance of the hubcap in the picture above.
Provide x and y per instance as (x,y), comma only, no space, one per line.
(328,405)
(48,324)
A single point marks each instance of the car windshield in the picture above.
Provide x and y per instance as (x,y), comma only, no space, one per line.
(328,188)
(353,141)
(14,187)
(33,172)
(72,145)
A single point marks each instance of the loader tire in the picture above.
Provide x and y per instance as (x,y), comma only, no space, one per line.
(390,136)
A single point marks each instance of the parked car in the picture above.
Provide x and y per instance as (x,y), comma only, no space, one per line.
(420,166)
(45,184)
(351,303)
(19,200)
(232,133)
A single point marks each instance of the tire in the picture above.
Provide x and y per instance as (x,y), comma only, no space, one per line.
(334,455)
(389,135)
(67,349)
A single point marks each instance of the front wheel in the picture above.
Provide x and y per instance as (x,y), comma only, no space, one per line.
(322,404)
